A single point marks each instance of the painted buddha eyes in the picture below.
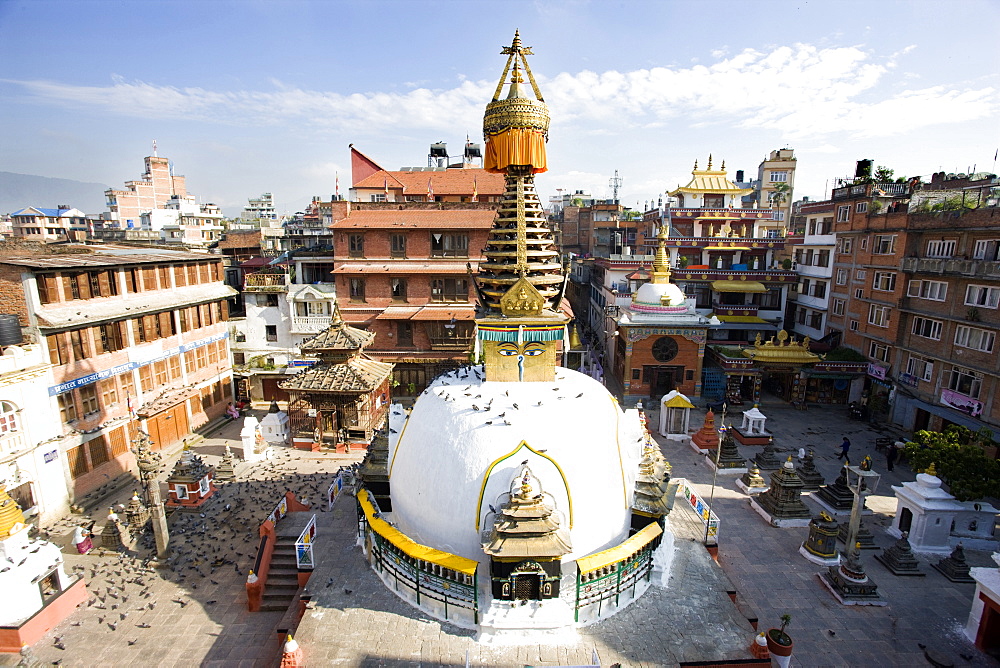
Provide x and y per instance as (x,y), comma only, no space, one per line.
(530,350)
(533,349)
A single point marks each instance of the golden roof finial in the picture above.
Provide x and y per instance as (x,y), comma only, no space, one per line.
(661,261)
(710,161)
(723,165)
(696,163)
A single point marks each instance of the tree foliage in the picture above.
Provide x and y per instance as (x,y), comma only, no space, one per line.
(958,458)
(883,174)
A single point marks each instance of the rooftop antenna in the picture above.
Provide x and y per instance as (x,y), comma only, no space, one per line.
(615,183)
(154,148)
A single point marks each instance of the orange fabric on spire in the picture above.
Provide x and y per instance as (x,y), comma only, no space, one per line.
(516,146)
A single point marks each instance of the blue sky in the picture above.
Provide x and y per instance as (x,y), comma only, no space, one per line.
(254,96)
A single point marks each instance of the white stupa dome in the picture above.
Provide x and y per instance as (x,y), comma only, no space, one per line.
(456,454)
(660,294)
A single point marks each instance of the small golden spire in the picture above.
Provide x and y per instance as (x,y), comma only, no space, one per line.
(661,261)
(710,161)
(723,165)
(696,163)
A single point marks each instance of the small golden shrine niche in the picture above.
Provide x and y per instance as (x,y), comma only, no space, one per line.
(521,300)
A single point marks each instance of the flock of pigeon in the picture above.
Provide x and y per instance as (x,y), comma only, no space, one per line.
(211,552)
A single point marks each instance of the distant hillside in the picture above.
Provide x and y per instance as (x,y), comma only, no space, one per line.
(20,190)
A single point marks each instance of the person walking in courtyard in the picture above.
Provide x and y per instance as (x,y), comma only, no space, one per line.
(844,447)
(891,453)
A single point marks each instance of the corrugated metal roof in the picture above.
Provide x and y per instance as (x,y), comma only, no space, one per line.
(104,257)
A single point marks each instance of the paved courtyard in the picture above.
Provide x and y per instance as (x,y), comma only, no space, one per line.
(195,612)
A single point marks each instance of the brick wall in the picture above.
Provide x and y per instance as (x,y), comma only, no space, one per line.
(642,355)
(12,293)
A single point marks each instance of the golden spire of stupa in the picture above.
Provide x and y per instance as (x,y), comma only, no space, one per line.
(520,244)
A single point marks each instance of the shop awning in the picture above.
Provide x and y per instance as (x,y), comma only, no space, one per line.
(746,319)
(436,313)
(398,313)
(738,286)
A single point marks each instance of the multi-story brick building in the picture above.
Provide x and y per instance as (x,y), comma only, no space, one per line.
(402,273)
(872,233)
(137,340)
(461,182)
(944,364)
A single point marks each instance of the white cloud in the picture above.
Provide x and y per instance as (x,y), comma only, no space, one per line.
(801,91)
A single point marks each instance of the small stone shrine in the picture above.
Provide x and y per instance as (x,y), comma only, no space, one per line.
(374,469)
(526,543)
(113,537)
(751,482)
(780,504)
(925,512)
(899,559)
(654,495)
(811,478)
(954,567)
(136,516)
(837,497)
(849,583)
(752,431)
(225,470)
(675,415)
(274,426)
(190,483)
(766,459)
(730,461)
(865,538)
(706,438)
(820,546)
(255,448)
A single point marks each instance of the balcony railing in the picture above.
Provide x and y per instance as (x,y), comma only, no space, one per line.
(871,190)
(737,243)
(983,268)
(266,282)
(709,274)
(735,309)
(312,324)
(721,214)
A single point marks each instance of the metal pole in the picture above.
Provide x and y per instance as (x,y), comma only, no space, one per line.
(855,523)
(715,477)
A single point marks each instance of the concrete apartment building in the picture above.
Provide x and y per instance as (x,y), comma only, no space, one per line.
(31,463)
(813,251)
(49,225)
(137,339)
(153,190)
(774,186)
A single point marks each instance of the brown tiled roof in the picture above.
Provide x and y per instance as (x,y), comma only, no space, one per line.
(105,257)
(338,336)
(446,182)
(240,239)
(473,219)
(358,374)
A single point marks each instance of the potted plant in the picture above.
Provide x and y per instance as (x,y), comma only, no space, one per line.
(780,643)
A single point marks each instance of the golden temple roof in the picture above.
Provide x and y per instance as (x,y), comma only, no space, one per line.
(738,286)
(710,181)
(784,350)
(10,513)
